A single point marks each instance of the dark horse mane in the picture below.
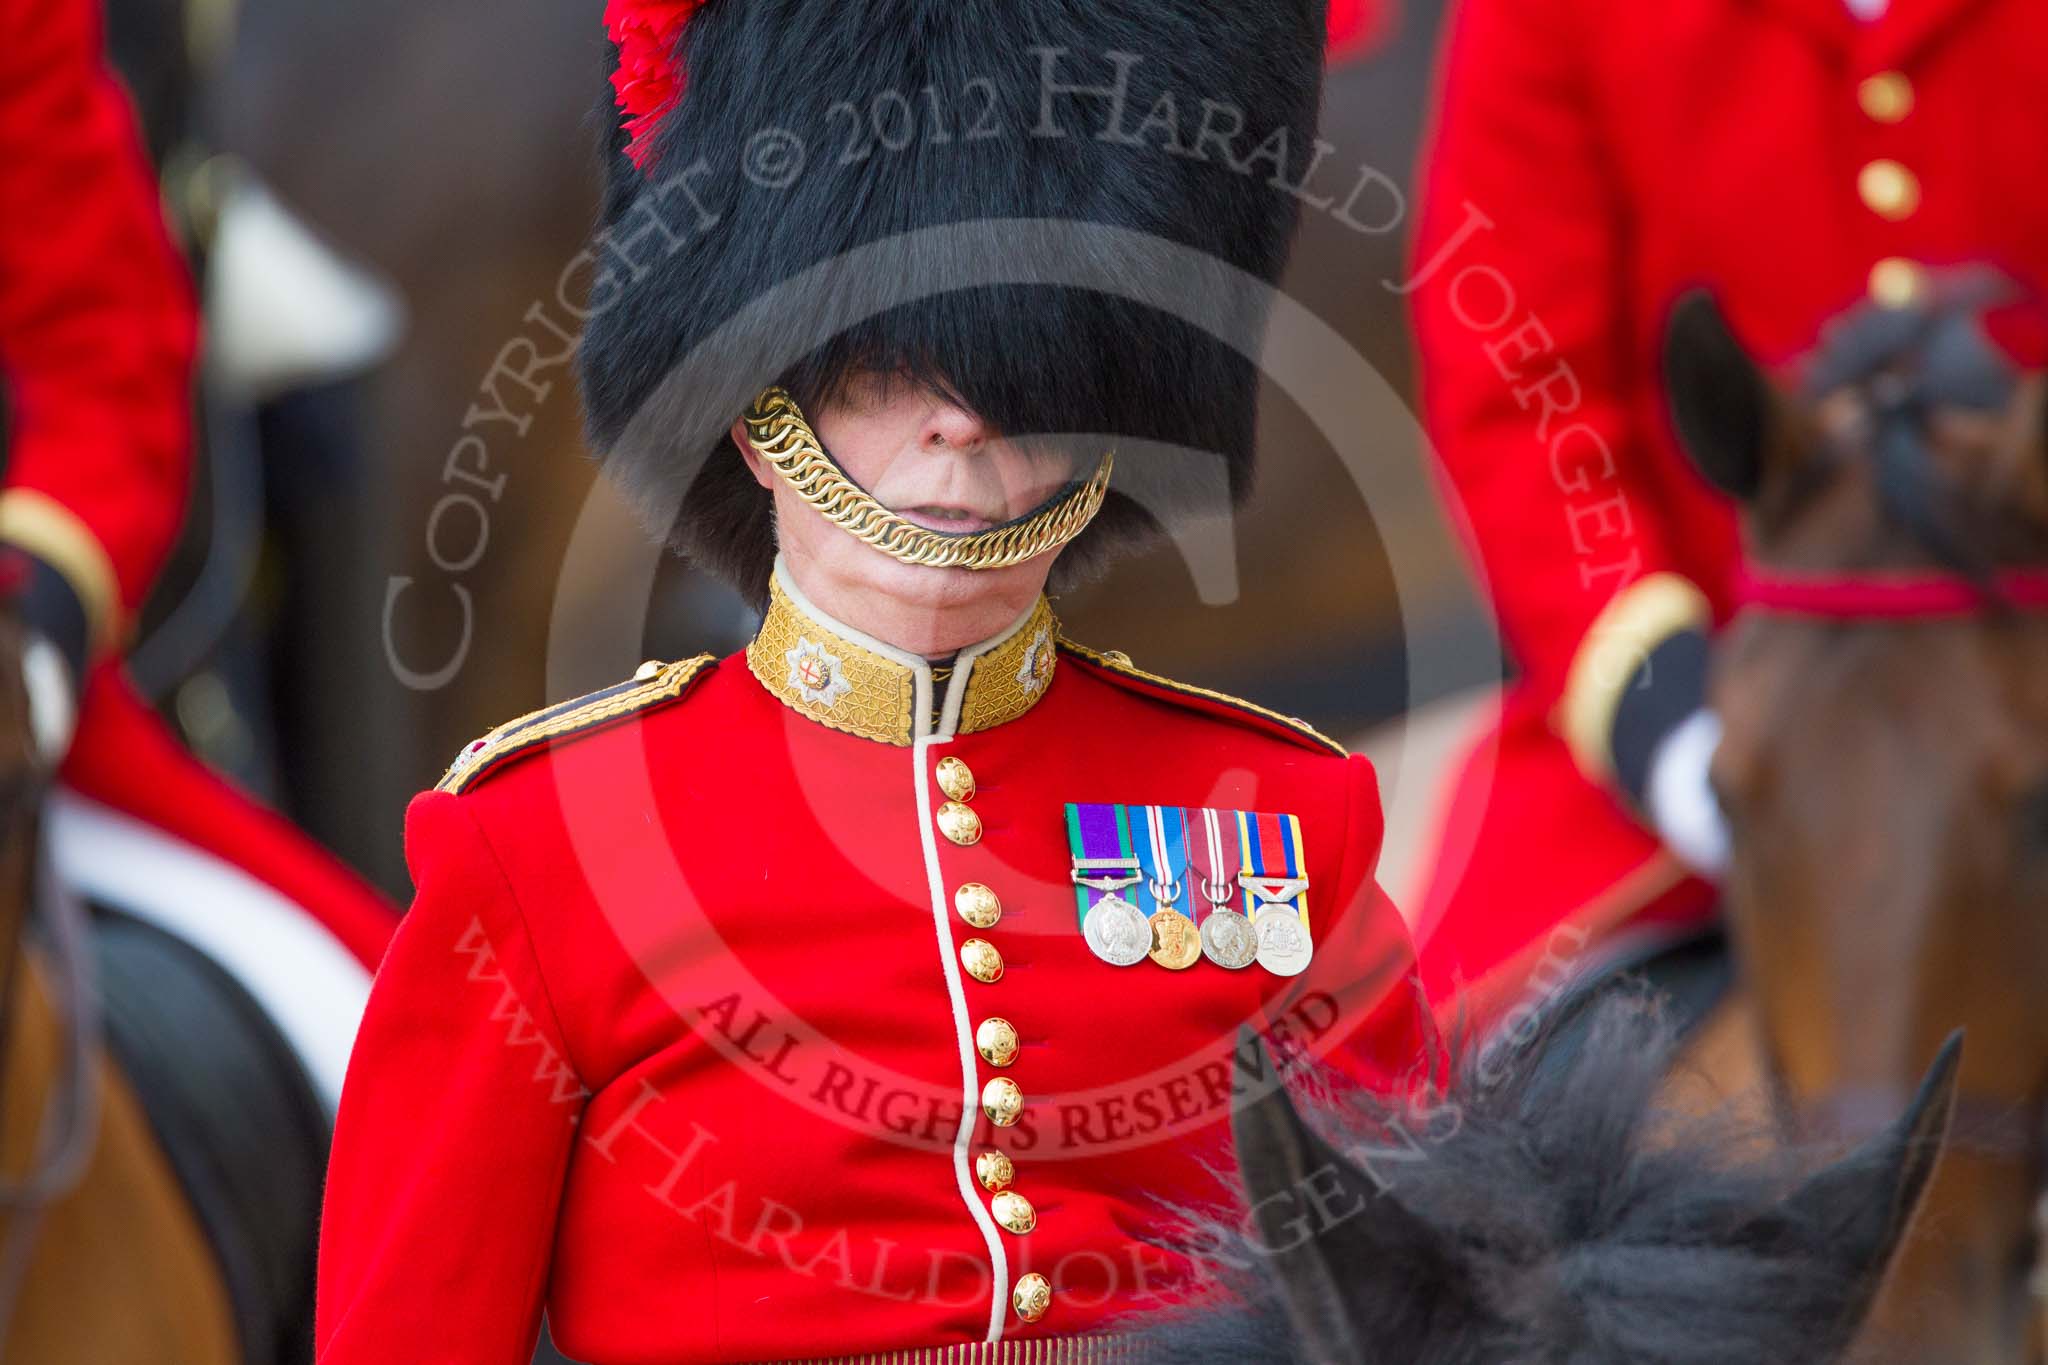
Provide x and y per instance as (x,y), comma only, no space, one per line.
(1907,363)
(1562,1217)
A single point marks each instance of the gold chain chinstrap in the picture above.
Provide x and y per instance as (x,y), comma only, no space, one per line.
(779,434)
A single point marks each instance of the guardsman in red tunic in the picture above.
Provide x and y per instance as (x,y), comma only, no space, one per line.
(97,334)
(1591,160)
(872,993)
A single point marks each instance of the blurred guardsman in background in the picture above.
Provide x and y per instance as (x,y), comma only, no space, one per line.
(871,991)
(97,336)
(1590,162)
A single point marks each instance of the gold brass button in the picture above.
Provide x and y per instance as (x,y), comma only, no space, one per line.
(994,1170)
(956,779)
(1889,190)
(1032,1296)
(996,1041)
(981,960)
(1897,283)
(959,823)
(647,670)
(1002,1101)
(1886,97)
(977,905)
(1014,1212)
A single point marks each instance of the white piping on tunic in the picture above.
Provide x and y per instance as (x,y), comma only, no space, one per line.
(999,1261)
(923,738)
(963,668)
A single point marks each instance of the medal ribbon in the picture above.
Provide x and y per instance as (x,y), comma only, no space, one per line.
(1212,875)
(1176,822)
(1271,847)
(1166,836)
(1098,834)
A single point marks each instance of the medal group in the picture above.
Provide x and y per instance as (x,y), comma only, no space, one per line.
(1177,884)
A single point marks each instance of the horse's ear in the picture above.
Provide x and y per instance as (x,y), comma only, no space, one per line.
(1334,1244)
(1720,401)
(1855,1212)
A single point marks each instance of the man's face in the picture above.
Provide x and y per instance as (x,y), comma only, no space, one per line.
(933,463)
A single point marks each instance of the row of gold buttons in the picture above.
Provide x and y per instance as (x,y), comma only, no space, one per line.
(1888,188)
(995,1038)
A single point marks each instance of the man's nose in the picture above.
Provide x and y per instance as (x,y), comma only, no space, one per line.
(951,427)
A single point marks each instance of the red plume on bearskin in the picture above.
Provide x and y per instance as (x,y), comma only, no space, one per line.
(1359,27)
(649,80)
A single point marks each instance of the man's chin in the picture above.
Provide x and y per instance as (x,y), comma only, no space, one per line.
(917,586)
(920,584)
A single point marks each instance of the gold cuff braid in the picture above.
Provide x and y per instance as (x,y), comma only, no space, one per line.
(779,434)
(1639,618)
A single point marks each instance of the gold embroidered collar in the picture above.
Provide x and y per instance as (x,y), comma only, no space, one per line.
(848,680)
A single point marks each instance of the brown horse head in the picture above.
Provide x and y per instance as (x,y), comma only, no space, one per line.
(1884,762)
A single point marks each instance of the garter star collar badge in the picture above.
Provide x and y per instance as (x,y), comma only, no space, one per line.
(816,675)
(1036,667)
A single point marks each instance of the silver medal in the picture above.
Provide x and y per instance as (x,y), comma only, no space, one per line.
(1117,931)
(1284,948)
(1228,939)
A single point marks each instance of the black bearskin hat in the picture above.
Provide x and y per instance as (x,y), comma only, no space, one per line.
(1066,214)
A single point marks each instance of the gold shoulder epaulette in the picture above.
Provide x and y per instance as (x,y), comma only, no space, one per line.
(1117,664)
(654,684)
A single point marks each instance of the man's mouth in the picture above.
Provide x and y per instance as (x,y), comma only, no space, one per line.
(949,520)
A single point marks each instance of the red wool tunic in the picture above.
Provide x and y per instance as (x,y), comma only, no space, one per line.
(1591,160)
(97,324)
(688,1035)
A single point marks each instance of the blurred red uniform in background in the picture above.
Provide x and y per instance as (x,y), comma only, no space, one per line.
(97,336)
(1591,160)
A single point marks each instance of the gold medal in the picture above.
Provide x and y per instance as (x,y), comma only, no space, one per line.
(1175,941)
